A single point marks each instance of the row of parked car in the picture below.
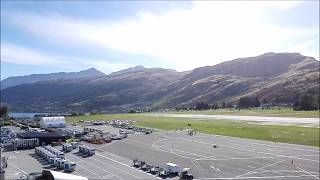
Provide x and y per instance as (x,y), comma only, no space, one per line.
(55,158)
(130,129)
(169,170)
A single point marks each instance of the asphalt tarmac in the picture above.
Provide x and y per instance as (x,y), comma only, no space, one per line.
(232,158)
(304,122)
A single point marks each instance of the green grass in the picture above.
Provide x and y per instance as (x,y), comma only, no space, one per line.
(277,112)
(286,134)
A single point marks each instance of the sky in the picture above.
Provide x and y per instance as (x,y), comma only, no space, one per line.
(66,36)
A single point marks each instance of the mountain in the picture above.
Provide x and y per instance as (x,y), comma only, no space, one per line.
(118,91)
(29,79)
(129,70)
(272,77)
(276,77)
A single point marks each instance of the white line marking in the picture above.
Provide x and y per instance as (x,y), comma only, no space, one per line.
(117,161)
(201,142)
(18,168)
(89,170)
(118,169)
(260,143)
(308,172)
(255,170)
(258,177)
(227,159)
(93,165)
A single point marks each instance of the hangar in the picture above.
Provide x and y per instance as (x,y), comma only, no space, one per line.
(53,122)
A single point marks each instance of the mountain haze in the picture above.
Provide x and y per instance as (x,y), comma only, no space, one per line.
(272,77)
(29,79)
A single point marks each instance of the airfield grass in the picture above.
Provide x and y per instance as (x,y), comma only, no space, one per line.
(276,112)
(276,133)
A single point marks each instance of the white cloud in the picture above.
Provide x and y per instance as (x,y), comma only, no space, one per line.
(16,54)
(20,55)
(209,33)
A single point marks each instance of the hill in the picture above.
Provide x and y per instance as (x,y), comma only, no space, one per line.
(29,79)
(118,91)
(274,77)
(271,77)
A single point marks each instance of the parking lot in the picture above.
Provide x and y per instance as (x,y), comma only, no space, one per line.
(231,158)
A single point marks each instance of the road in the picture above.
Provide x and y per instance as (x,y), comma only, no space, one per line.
(305,122)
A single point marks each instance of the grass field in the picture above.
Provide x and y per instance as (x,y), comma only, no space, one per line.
(277,112)
(286,134)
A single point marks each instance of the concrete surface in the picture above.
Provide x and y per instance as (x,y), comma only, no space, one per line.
(233,158)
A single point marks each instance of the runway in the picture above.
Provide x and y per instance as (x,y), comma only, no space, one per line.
(305,122)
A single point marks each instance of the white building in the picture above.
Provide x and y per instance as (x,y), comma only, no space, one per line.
(53,122)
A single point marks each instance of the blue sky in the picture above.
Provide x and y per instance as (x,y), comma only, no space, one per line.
(54,36)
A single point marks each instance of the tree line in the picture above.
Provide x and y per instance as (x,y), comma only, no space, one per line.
(305,102)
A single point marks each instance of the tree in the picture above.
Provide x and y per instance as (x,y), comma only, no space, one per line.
(306,102)
(215,106)
(202,106)
(4,110)
(223,105)
(245,102)
(256,102)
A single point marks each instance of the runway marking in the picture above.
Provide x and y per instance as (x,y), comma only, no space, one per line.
(255,170)
(260,143)
(257,177)
(307,172)
(201,142)
(118,162)
(215,169)
(213,159)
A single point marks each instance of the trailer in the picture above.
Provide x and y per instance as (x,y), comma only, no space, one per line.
(56,162)
(69,166)
(186,174)
(53,160)
(172,168)
(67,147)
(81,148)
(61,163)
(91,151)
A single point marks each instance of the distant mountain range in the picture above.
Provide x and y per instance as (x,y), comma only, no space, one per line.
(272,77)
(29,79)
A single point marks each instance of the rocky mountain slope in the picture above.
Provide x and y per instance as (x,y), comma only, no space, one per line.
(272,77)
(29,79)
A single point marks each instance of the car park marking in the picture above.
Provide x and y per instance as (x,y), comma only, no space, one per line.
(10,164)
(118,169)
(119,163)
(89,170)
(96,166)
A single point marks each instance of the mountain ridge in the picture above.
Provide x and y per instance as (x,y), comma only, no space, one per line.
(274,77)
(29,79)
